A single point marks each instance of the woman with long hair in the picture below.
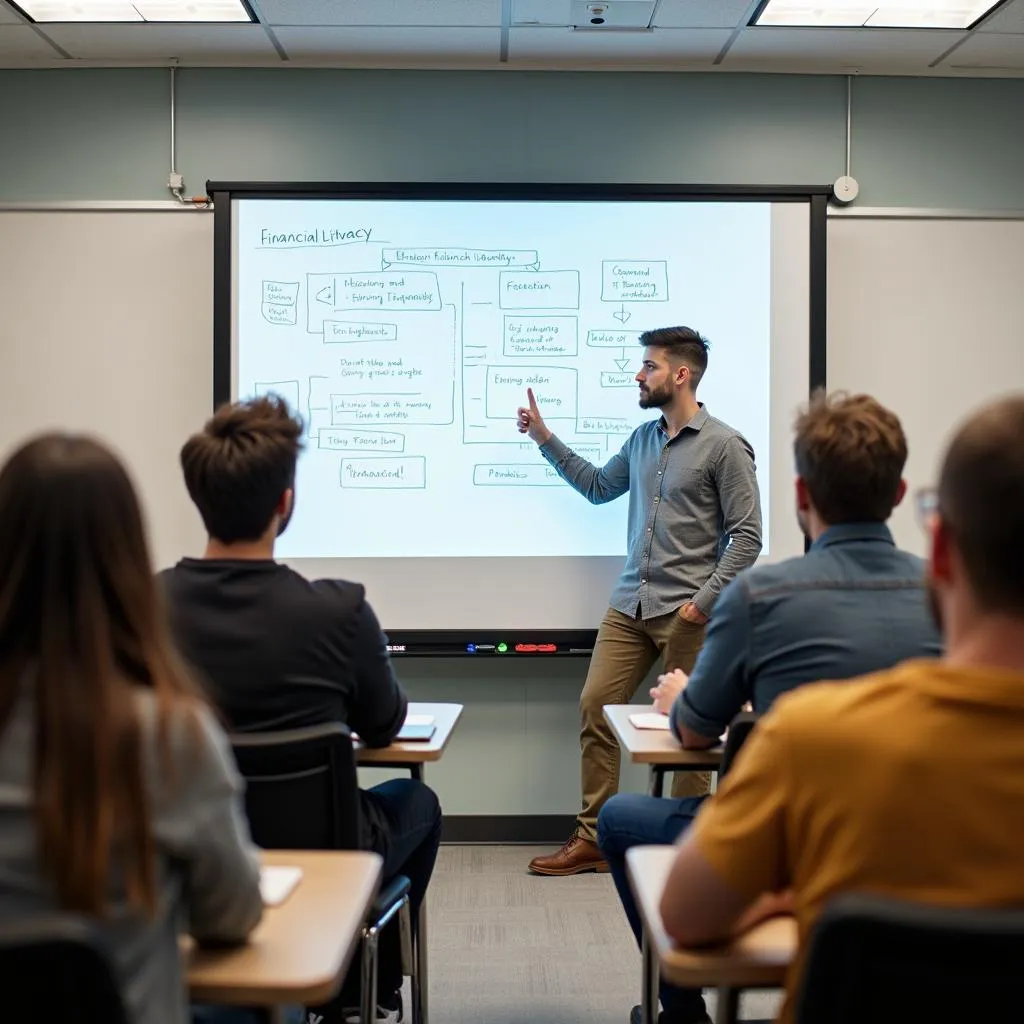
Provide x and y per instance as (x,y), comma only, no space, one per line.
(119,798)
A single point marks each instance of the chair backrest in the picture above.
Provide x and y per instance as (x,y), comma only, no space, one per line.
(739,729)
(56,969)
(890,962)
(302,791)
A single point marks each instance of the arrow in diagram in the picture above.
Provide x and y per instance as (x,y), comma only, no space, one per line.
(622,316)
(326,295)
(624,361)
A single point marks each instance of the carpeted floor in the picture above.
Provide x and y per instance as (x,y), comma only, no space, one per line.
(507,947)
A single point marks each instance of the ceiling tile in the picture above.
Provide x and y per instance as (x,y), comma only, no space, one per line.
(988,51)
(701,13)
(189,43)
(1007,19)
(20,41)
(541,12)
(402,46)
(843,49)
(452,13)
(9,17)
(662,48)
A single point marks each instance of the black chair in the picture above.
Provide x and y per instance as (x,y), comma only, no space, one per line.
(890,962)
(302,793)
(739,729)
(57,969)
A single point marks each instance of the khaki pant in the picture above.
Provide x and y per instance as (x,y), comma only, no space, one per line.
(623,655)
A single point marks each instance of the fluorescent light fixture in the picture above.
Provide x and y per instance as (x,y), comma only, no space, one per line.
(955,14)
(135,10)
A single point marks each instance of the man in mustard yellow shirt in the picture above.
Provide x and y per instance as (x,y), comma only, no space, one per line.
(854,786)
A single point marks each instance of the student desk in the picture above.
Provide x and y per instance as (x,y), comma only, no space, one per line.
(414,755)
(757,959)
(657,748)
(301,949)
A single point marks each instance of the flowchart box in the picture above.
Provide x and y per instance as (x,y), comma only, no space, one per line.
(520,474)
(342,439)
(603,425)
(540,336)
(438,256)
(403,473)
(406,291)
(282,293)
(554,387)
(542,289)
(634,280)
(617,380)
(437,409)
(351,331)
(613,339)
(284,316)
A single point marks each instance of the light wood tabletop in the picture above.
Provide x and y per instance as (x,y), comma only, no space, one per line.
(301,949)
(417,751)
(655,746)
(758,958)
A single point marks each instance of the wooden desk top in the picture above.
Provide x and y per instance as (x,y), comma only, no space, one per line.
(301,949)
(399,753)
(760,957)
(655,746)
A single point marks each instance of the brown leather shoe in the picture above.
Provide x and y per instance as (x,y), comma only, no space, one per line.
(578,855)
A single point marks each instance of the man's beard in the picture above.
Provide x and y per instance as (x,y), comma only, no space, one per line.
(655,399)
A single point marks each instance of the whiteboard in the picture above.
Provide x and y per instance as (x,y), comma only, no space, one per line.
(107,327)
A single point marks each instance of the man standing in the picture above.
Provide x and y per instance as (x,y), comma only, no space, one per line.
(694,522)
(908,783)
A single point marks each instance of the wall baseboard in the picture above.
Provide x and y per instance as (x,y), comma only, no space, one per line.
(508,828)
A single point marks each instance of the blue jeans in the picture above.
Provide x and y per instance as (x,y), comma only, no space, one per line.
(631,819)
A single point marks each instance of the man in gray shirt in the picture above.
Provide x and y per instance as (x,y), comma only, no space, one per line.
(694,522)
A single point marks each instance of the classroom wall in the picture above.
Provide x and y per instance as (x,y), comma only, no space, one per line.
(104,134)
(86,135)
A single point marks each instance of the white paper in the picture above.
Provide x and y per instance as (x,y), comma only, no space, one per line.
(419,719)
(277,882)
(649,720)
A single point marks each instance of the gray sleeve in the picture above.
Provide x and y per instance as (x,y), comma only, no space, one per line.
(597,485)
(203,826)
(740,501)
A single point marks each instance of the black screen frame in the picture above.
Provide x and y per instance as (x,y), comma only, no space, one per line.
(498,642)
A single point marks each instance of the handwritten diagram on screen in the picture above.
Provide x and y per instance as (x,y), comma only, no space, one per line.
(406,334)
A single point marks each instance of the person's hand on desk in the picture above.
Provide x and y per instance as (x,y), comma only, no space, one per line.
(670,685)
(768,904)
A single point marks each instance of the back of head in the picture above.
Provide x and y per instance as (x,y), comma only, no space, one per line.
(850,452)
(981,502)
(681,345)
(80,623)
(238,466)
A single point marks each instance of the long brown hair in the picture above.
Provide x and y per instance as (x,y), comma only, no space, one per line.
(81,624)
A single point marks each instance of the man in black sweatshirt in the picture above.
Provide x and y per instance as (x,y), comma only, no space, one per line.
(278,651)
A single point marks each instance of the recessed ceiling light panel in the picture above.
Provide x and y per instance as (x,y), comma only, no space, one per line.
(135,10)
(949,14)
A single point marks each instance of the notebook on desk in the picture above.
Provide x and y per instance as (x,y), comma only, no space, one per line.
(417,728)
(277,882)
(649,720)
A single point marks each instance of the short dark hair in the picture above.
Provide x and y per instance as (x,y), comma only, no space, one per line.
(238,466)
(850,451)
(684,344)
(981,494)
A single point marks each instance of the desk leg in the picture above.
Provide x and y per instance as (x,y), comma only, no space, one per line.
(421,980)
(728,1009)
(657,780)
(649,982)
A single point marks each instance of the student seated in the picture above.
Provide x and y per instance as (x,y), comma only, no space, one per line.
(852,604)
(278,651)
(119,798)
(907,783)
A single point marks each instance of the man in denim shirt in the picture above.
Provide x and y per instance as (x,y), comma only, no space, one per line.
(852,605)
